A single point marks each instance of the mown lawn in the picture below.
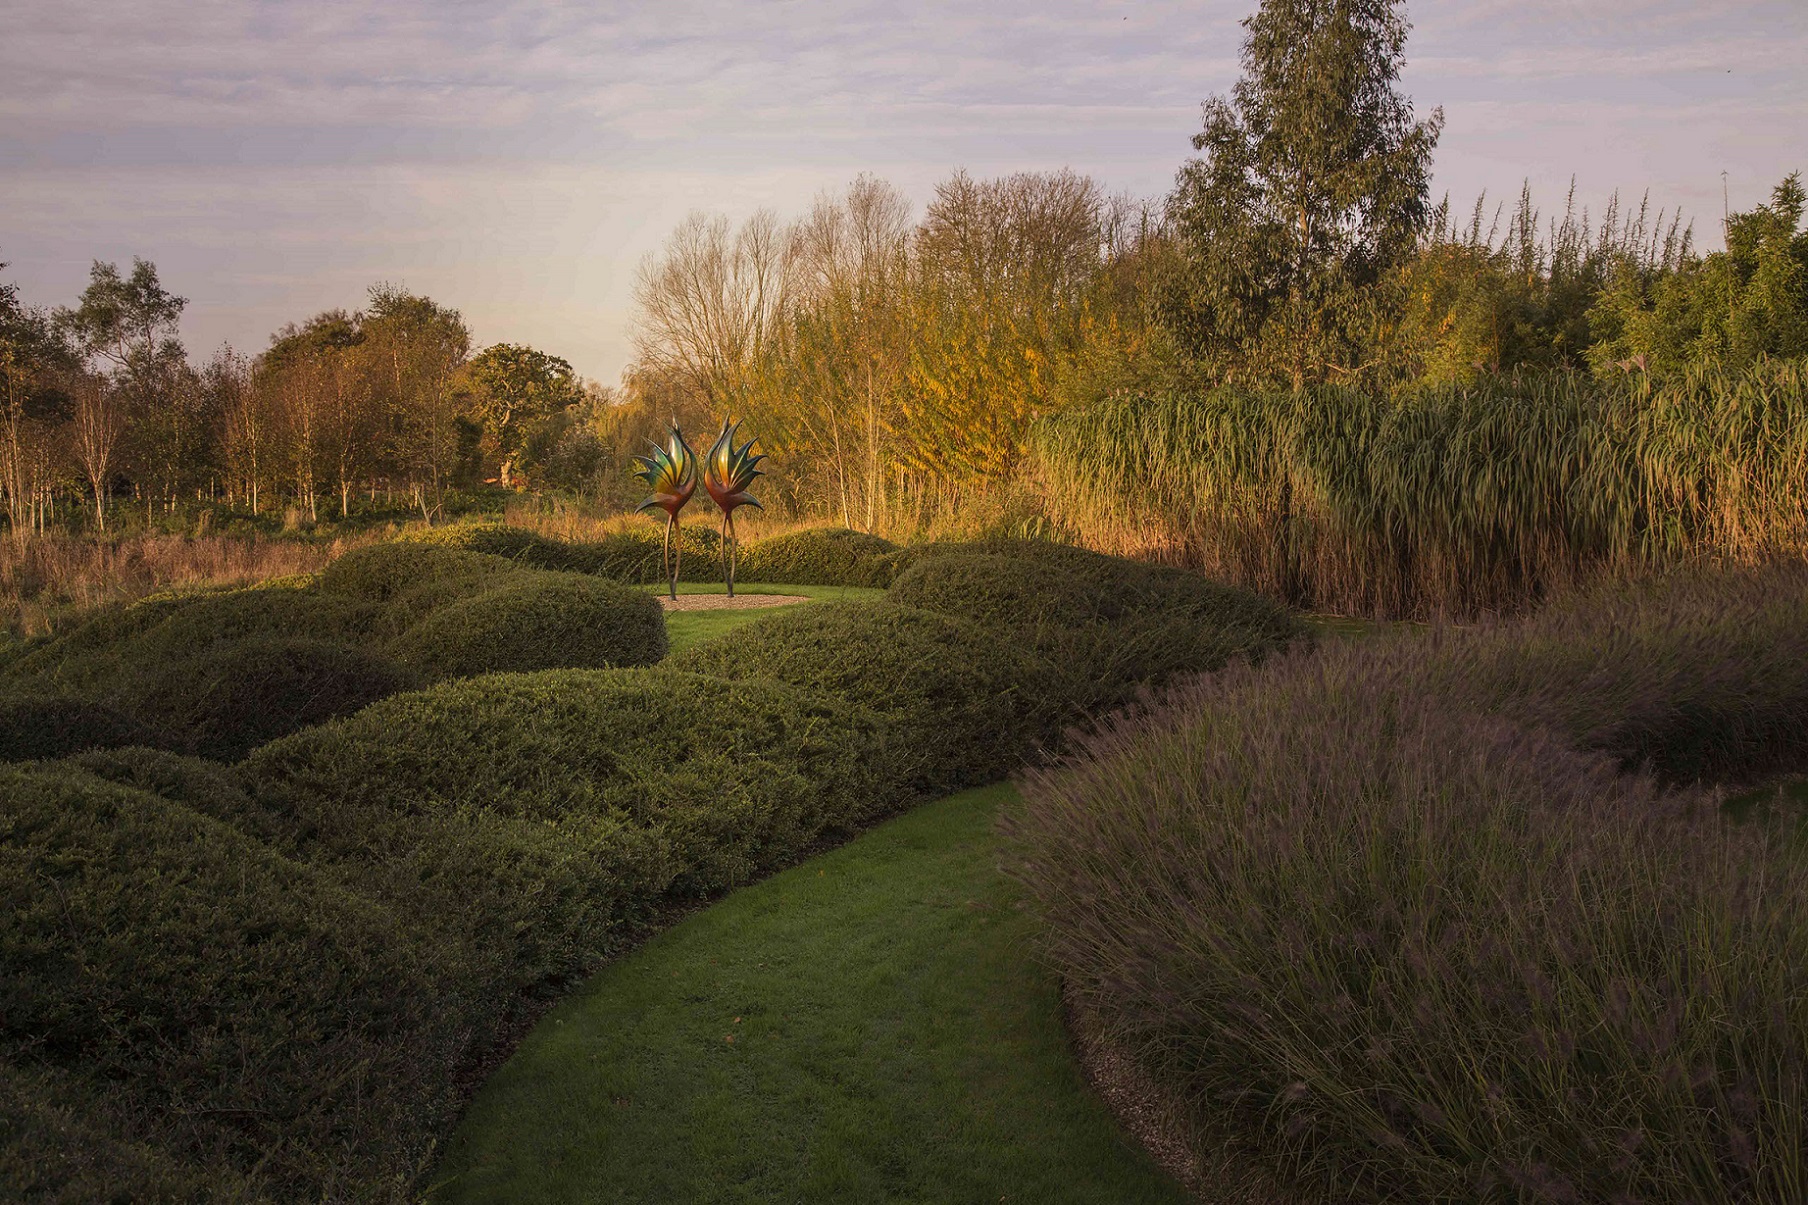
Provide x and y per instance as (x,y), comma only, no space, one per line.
(870,1026)
(685,628)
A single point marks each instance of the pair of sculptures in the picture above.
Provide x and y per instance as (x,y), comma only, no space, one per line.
(671,473)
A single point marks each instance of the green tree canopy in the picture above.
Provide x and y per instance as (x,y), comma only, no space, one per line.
(1313,186)
(511,385)
(1730,308)
(127,321)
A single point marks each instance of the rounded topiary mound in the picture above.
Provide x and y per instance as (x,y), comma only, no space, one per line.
(819,556)
(408,581)
(155,956)
(114,656)
(966,706)
(1003,590)
(539,817)
(380,572)
(36,726)
(1113,626)
(516,544)
(238,695)
(544,621)
(635,555)
(206,786)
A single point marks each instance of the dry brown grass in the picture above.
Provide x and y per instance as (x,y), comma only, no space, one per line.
(45,580)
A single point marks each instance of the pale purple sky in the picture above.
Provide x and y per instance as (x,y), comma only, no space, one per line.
(518,160)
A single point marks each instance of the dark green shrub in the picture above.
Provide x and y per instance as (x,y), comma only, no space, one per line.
(34,725)
(970,706)
(60,1145)
(635,555)
(103,628)
(380,572)
(539,817)
(235,696)
(819,556)
(408,581)
(1004,591)
(1113,626)
(224,1005)
(116,656)
(208,787)
(543,621)
(516,544)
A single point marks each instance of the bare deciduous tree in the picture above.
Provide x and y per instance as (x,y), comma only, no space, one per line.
(709,301)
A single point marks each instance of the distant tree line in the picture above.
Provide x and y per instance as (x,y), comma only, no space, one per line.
(386,403)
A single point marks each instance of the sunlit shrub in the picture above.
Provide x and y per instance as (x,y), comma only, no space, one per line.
(542,621)
(966,706)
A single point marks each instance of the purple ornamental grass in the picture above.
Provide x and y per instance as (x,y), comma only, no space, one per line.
(1376,907)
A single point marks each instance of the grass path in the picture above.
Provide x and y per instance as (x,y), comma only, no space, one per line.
(685,628)
(869,1026)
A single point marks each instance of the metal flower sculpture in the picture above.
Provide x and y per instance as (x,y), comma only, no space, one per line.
(671,473)
(728,471)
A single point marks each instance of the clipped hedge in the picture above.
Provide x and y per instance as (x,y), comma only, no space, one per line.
(636,555)
(1113,626)
(1396,915)
(34,725)
(541,816)
(207,787)
(516,544)
(59,1145)
(239,1013)
(119,652)
(235,696)
(379,573)
(820,556)
(543,621)
(817,556)
(968,707)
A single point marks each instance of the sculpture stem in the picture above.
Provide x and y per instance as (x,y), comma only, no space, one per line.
(667,561)
(728,549)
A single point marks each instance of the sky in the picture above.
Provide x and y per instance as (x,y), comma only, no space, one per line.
(517,161)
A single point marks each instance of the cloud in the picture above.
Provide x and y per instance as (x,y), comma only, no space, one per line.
(517,159)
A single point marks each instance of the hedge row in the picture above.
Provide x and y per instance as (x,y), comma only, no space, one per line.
(1416,919)
(222,672)
(1112,627)
(264,981)
(817,556)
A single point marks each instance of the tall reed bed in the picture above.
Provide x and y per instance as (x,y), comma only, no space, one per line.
(1410,919)
(1454,500)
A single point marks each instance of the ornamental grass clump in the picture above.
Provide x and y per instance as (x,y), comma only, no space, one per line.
(1453,500)
(1397,917)
(1700,674)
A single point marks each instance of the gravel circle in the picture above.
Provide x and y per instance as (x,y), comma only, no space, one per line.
(721,602)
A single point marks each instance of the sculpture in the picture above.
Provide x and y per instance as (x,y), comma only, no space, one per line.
(728,471)
(671,473)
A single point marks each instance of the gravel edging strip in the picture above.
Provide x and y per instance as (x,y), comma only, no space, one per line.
(1165,1128)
